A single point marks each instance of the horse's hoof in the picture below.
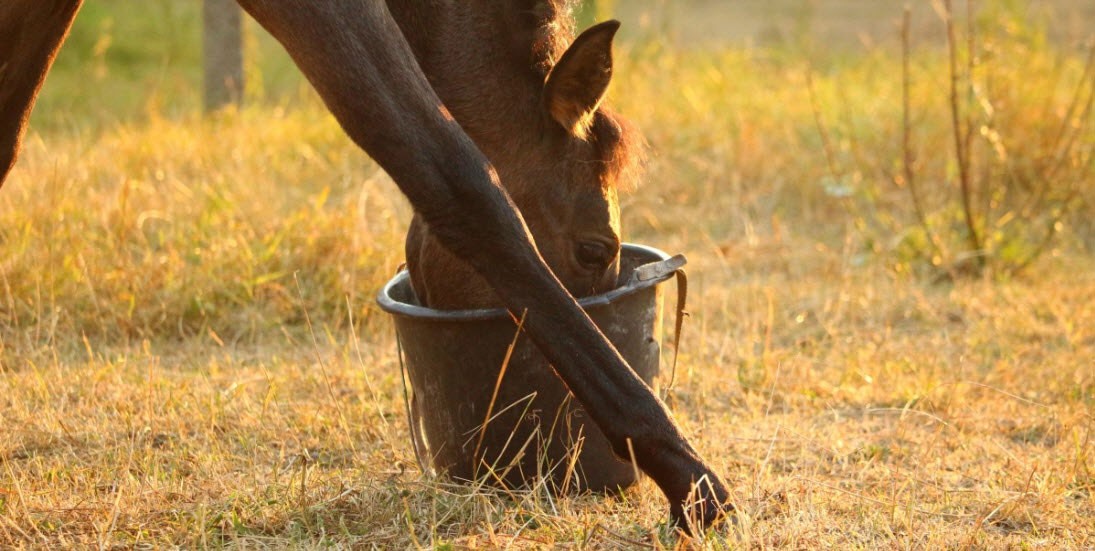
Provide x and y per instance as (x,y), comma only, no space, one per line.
(695,516)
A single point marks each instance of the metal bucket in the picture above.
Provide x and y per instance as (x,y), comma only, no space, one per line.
(468,424)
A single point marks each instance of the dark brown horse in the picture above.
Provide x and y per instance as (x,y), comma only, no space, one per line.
(364,67)
(536,113)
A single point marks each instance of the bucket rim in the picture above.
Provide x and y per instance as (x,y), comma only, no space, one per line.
(392,306)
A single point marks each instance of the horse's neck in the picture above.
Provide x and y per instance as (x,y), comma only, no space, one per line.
(479,57)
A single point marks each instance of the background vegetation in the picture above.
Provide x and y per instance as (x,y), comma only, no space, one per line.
(190,354)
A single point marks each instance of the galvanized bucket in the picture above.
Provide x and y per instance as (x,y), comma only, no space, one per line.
(484,404)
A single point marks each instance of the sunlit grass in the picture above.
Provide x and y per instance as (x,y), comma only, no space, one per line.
(176,228)
(159,382)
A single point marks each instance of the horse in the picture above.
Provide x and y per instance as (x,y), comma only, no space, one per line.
(559,154)
(361,61)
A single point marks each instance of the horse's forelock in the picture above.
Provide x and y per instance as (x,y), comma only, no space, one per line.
(553,30)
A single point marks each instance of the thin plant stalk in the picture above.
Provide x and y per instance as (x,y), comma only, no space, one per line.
(907,160)
(961,142)
(823,133)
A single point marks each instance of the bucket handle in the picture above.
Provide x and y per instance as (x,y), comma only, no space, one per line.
(412,420)
(678,325)
(660,269)
(672,265)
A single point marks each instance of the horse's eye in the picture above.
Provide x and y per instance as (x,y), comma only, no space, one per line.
(594,255)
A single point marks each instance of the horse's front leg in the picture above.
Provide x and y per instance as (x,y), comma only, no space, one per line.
(31,32)
(356,58)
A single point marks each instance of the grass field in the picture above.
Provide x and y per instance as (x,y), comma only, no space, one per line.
(190,354)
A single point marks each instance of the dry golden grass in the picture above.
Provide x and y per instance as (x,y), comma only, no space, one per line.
(160,384)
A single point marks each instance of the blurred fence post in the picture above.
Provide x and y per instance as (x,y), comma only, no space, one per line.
(222,53)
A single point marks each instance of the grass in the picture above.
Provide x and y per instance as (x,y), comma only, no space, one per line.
(160,383)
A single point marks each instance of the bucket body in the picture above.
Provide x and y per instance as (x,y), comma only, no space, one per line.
(535,426)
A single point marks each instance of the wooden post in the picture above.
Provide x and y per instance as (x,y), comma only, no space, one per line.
(222,52)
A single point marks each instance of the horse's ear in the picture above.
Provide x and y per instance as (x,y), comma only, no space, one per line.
(577,83)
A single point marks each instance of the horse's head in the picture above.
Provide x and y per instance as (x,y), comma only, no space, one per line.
(533,103)
(567,186)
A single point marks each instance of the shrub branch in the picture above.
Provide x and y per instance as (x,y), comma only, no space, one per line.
(961,137)
(908,156)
